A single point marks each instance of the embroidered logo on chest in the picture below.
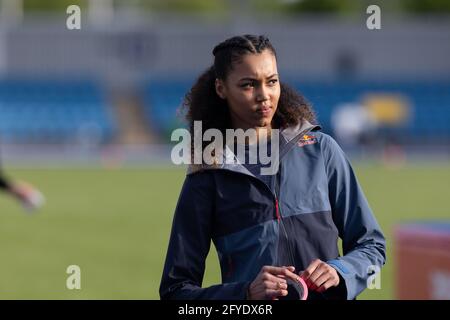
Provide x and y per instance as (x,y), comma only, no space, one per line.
(306,140)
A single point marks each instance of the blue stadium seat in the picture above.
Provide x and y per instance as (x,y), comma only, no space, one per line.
(36,110)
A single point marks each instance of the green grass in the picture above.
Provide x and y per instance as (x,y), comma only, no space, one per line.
(115,225)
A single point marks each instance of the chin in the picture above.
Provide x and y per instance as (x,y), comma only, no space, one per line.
(265,122)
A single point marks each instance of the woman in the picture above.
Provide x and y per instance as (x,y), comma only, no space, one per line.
(268,230)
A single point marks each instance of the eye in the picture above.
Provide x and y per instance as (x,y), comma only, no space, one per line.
(273,81)
(247,85)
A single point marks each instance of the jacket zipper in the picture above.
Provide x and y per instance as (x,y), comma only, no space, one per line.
(284,231)
(277,209)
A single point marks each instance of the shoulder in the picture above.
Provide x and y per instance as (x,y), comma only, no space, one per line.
(331,151)
(199,178)
(197,172)
(323,138)
(326,142)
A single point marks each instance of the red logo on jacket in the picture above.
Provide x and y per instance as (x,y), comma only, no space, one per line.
(306,140)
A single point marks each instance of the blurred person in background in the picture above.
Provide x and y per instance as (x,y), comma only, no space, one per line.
(353,125)
(27,195)
(269,230)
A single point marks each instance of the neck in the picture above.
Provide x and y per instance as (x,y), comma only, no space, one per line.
(262,134)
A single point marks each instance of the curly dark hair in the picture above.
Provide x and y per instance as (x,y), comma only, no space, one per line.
(202,103)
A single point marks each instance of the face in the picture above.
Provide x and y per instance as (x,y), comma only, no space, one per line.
(252,90)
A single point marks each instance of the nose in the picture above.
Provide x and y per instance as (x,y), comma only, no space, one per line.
(262,94)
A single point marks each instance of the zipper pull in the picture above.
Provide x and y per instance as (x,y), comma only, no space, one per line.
(277,211)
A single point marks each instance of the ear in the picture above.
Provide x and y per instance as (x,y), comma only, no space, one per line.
(220,88)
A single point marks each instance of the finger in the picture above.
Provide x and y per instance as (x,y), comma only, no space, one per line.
(270,293)
(288,272)
(272,278)
(290,275)
(321,280)
(312,280)
(327,285)
(274,270)
(279,272)
(277,285)
(260,286)
(310,269)
(290,268)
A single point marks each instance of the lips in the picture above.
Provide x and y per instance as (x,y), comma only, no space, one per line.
(265,111)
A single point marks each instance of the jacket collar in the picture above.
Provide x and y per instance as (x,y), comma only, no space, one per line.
(301,128)
(231,162)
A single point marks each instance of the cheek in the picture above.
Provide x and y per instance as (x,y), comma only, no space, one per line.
(276,95)
(242,99)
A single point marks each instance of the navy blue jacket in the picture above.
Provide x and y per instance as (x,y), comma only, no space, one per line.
(313,200)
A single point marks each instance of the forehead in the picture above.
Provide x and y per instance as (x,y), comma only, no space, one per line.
(259,65)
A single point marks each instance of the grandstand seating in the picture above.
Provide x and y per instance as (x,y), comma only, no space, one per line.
(53,111)
(162,101)
(429,103)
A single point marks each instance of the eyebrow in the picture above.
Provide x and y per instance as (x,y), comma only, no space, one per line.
(254,79)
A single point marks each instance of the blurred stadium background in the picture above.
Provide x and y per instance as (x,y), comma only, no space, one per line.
(86,116)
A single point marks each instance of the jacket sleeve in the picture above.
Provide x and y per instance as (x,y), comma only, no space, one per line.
(364,245)
(189,246)
(4,183)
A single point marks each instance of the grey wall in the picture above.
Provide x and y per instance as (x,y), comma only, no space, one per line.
(309,47)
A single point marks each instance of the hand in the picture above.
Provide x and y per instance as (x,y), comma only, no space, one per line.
(320,276)
(270,283)
(29,196)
